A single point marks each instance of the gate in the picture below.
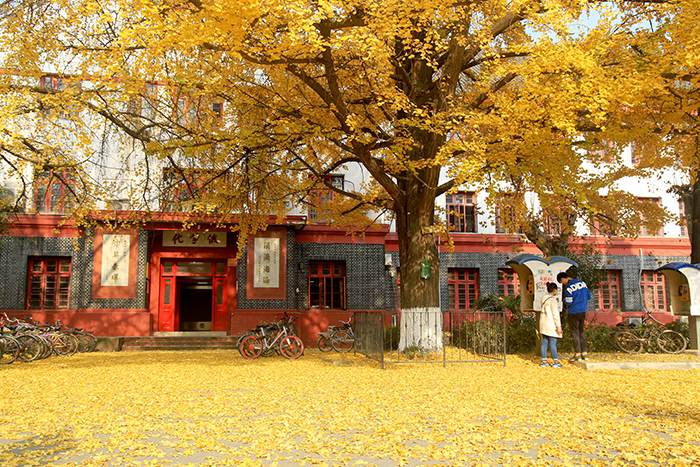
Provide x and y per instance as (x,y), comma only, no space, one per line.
(466,336)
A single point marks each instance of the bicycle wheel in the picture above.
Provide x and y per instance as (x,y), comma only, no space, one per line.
(343,340)
(30,348)
(324,343)
(268,351)
(9,350)
(92,342)
(83,341)
(291,347)
(671,341)
(64,344)
(629,342)
(251,347)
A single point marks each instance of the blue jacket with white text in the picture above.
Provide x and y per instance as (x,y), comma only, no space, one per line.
(576,296)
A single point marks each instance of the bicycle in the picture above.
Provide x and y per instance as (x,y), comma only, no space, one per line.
(9,349)
(651,334)
(342,338)
(273,337)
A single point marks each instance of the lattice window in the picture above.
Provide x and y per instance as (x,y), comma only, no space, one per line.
(607,296)
(461,211)
(643,231)
(463,288)
(653,285)
(49,283)
(54,191)
(318,198)
(327,285)
(508,282)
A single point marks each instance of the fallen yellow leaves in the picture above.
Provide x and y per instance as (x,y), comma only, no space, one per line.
(213,408)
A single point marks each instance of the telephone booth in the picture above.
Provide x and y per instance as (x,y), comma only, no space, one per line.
(534,272)
(683,280)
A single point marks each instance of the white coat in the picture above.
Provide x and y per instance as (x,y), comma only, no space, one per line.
(550,320)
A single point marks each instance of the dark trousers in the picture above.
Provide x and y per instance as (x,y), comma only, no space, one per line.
(576,325)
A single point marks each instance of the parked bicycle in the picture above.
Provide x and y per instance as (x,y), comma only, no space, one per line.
(40,340)
(652,334)
(339,338)
(266,339)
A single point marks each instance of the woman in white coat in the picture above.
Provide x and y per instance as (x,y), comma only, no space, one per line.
(550,325)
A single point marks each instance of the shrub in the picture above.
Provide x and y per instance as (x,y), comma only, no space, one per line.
(680,326)
(391,338)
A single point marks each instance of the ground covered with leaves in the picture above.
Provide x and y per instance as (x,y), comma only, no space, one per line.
(213,408)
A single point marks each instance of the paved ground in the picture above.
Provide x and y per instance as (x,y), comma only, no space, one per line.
(215,408)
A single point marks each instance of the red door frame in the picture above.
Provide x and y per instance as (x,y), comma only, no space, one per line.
(164,317)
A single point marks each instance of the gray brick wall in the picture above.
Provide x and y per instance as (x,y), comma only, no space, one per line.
(15,253)
(365,274)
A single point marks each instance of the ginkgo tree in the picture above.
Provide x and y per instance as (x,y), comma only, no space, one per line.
(257,102)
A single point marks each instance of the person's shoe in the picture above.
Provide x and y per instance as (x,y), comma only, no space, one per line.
(544,364)
(557,365)
(584,357)
(575,358)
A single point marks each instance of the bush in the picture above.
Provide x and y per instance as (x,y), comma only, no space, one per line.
(681,327)
(391,338)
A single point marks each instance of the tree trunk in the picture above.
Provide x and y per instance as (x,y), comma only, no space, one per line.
(694,220)
(421,317)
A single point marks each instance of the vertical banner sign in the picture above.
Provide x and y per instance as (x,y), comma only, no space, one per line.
(267,263)
(541,278)
(115,260)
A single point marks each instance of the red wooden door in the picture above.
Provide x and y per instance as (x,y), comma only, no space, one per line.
(167,304)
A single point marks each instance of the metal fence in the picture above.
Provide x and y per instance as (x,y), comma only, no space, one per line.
(431,337)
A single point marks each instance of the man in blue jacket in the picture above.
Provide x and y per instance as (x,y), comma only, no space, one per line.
(576,296)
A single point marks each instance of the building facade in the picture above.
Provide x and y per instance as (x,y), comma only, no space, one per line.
(156,278)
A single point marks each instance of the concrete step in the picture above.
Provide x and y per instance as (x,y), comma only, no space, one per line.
(195,342)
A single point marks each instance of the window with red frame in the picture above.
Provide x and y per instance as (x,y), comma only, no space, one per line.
(508,283)
(59,84)
(181,189)
(653,286)
(600,225)
(463,288)
(318,198)
(506,219)
(607,296)
(683,217)
(327,285)
(643,230)
(49,283)
(143,107)
(54,191)
(461,212)
(197,110)
(603,155)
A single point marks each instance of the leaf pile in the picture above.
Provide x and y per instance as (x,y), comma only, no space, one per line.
(213,408)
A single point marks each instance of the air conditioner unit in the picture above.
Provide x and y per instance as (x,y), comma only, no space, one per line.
(117,204)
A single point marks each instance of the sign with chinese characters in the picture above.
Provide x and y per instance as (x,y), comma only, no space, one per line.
(541,277)
(177,238)
(115,263)
(115,260)
(267,263)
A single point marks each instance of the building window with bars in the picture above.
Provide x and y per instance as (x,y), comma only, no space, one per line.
(653,286)
(508,282)
(607,296)
(54,191)
(461,212)
(49,283)
(327,285)
(463,288)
